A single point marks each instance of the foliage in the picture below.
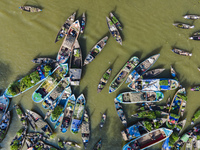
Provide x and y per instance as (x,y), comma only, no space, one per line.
(148,125)
(19,132)
(157,124)
(56,113)
(14,88)
(46,70)
(14,147)
(142,108)
(183,97)
(173,138)
(19,112)
(106,76)
(52,136)
(198,137)
(179,127)
(175,116)
(149,114)
(196,115)
(35,76)
(163,82)
(60,144)
(25,83)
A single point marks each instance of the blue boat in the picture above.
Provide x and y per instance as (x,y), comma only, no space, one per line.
(45,89)
(147,140)
(78,114)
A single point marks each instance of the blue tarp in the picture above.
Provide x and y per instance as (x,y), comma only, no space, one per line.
(166,144)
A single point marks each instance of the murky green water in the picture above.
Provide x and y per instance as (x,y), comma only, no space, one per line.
(147,30)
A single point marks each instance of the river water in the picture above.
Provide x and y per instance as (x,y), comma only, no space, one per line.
(147,30)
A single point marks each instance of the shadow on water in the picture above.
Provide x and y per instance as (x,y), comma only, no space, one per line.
(138,54)
(154,52)
(5,72)
(46,56)
(34,4)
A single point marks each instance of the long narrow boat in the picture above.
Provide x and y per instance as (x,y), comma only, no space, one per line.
(44,60)
(75,67)
(183,26)
(195,116)
(30,8)
(40,123)
(193,17)
(56,93)
(113,30)
(196,36)
(120,112)
(68,42)
(83,19)
(195,88)
(152,73)
(62,101)
(162,84)
(20,115)
(29,81)
(72,144)
(65,27)
(4,125)
(50,83)
(147,140)
(60,118)
(4,103)
(78,114)
(68,112)
(150,114)
(181,52)
(122,75)
(104,80)
(98,145)
(115,21)
(31,121)
(180,143)
(142,68)
(140,97)
(103,120)
(85,129)
(95,51)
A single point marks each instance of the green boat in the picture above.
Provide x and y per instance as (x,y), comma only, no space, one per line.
(122,75)
(115,21)
(196,116)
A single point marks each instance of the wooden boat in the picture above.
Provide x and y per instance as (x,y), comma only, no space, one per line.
(56,93)
(44,60)
(195,88)
(152,107)
(83,22)
(85,129)
(29,81)
(150,114)
(95,51)
(30,8)
(120,112)
(180,125)
(123,73)
(60,105)
(78,114)
(50,83)
(68,112)
(59,120)
(147,140)
(31,121)
(98,145)
(65,27)
(175,108)
(20,115)
(153,124)
(4,125)
(140,97)
(180,143)
(19,139)
(183,26)
(40,123)
(75,67)
(189,144)
(103,120)
(142,68)
(115,21)
(4,103)
(68,43)
(104,80)
(173,72)
(181,52)
(193,17)
(195,37)
(195,116)
(152,73)
(113,30)
(72,144)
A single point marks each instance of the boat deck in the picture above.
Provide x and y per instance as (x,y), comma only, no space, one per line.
(137,97)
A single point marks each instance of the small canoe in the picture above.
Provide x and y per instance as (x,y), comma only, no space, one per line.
(149,139)
(104,80)
(43,60)
(183,26)
(120,112)
(65,27)
(196,36)
(83,19)
(103,120)
(193,17)
(20,115)
(195,88)
(56,93)
(85,129)
(98,145)
(30,8)
(59,120)
(20,86)
(123,73)
(173,72)
(152,73)
(68,112)
(4,125)
(142,68)
(181,52)
(95,51)
(68,43)
(78,114)
(162,84)
(75,66)
(113,30)
(115,21)
(140,97)
(72,144)
(45,89)
(31,121)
